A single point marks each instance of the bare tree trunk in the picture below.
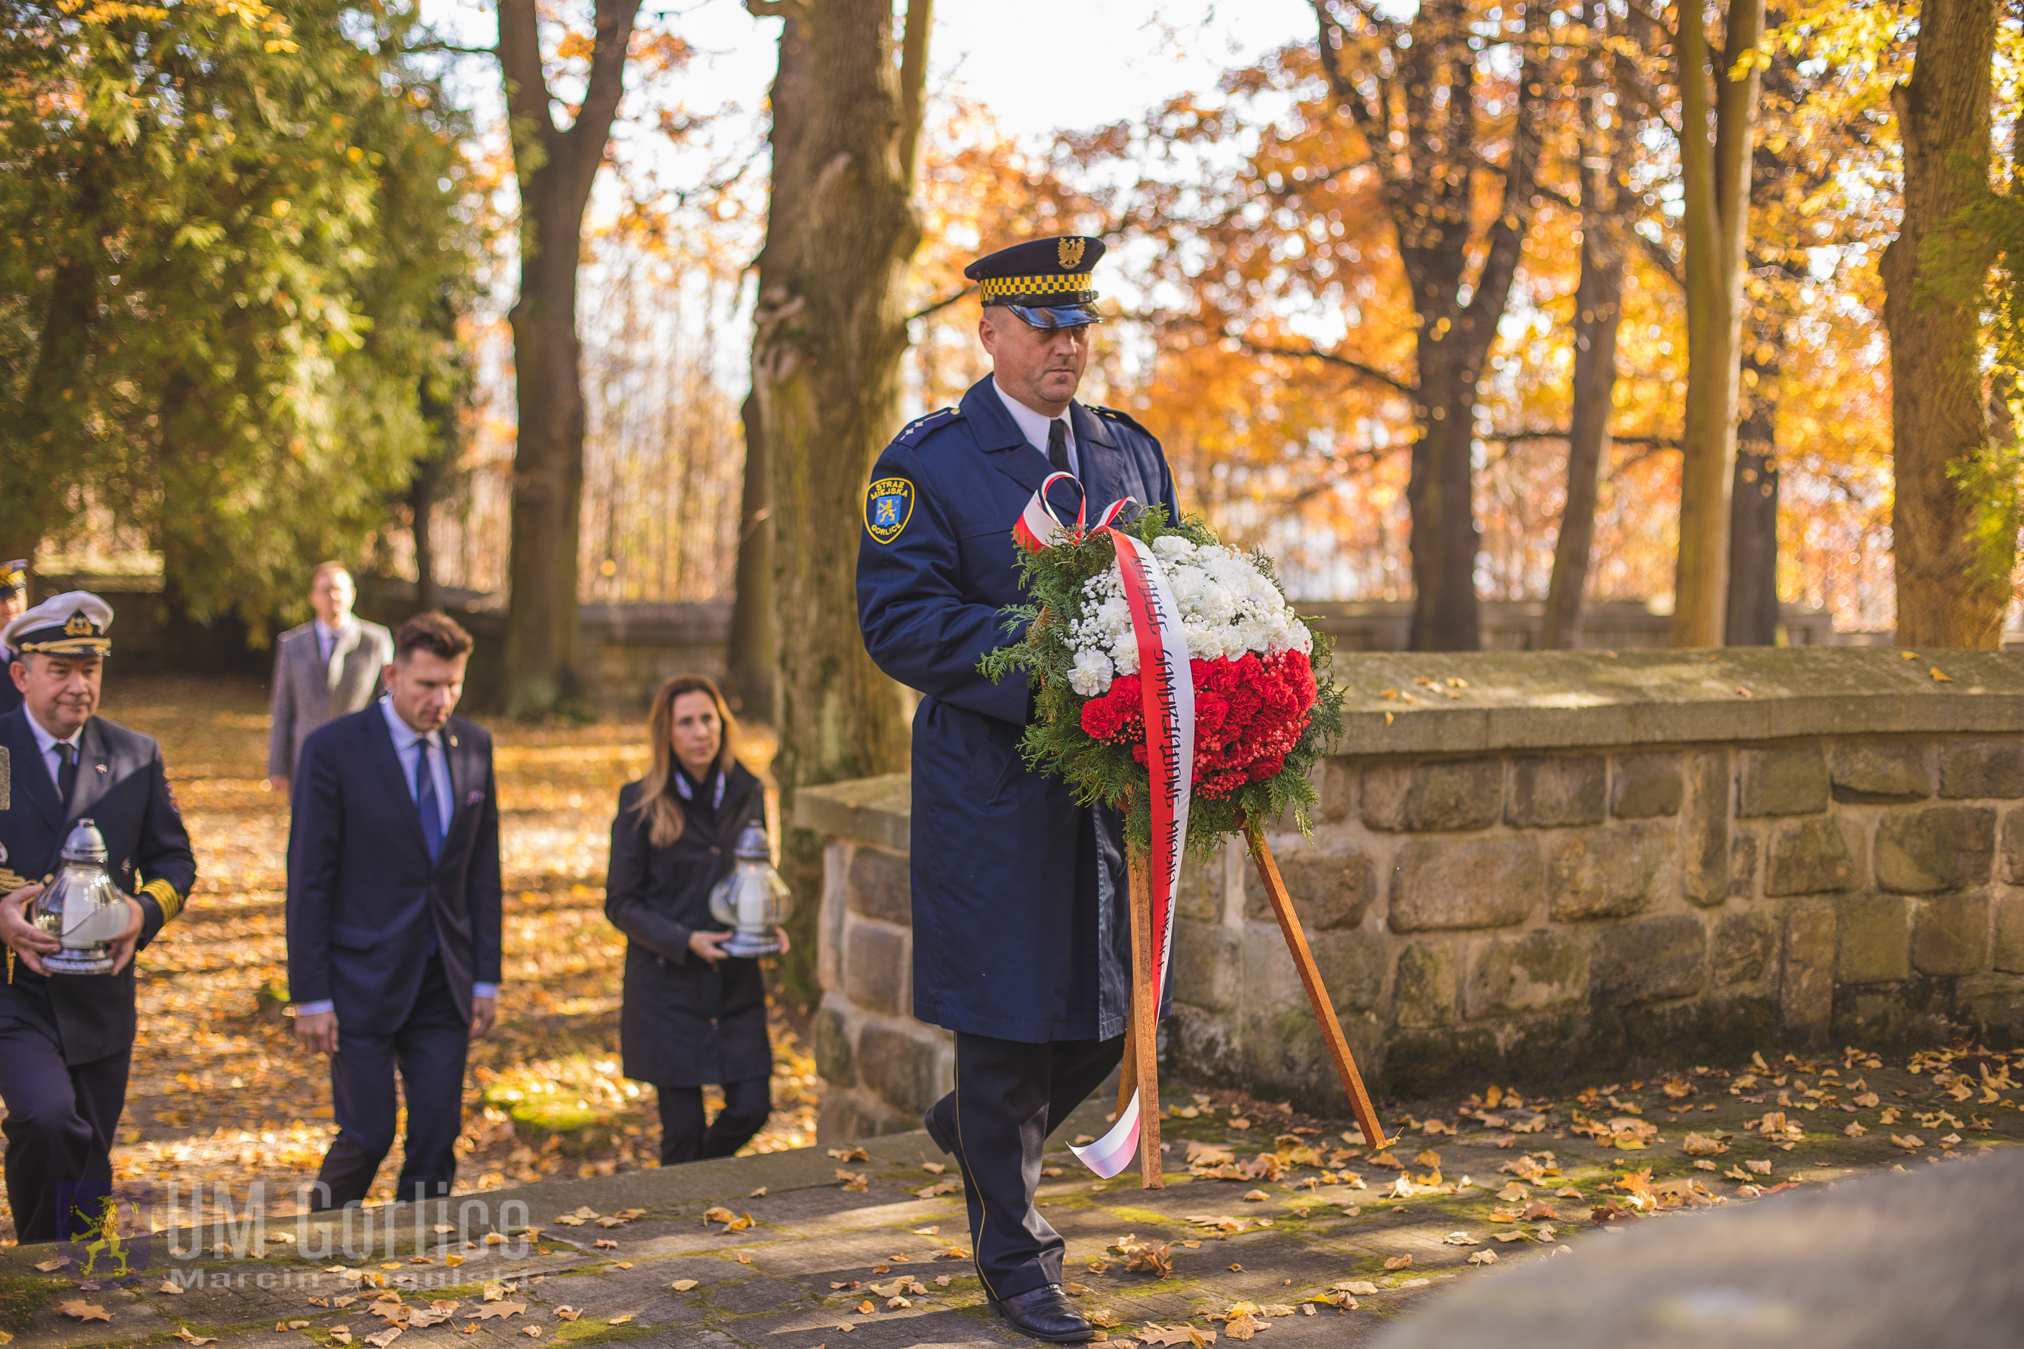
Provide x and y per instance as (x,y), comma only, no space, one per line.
(1420,116)
(1716,176)
(424,489)
(441,397)
(1598,314)
(1946,592)
(556,169)
(1753,616)
(829,335)
(1598,299)
(1443,537)
(752,661)
(31,495)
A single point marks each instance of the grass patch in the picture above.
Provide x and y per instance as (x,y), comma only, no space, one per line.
(22,1300)
(1142,1216)
(588,1331)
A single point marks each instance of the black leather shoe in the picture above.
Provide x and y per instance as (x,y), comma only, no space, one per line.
(935,1130)
(1045,1313)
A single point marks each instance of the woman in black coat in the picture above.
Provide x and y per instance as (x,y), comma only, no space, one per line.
(691,1014)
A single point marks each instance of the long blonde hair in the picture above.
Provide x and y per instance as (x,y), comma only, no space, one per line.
(658,803)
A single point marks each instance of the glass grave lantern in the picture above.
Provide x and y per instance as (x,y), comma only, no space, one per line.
(752,900)
(82,908)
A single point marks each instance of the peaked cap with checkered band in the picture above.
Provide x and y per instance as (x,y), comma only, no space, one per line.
(1045,282)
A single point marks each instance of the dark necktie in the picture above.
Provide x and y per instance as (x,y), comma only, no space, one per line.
(66,771)
(426,803)
(1057,445)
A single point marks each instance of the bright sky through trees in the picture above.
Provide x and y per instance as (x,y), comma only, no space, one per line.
(1040,66)
(1163,115)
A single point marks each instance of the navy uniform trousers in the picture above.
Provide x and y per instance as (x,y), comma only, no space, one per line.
(1009,1097)
(60,1122)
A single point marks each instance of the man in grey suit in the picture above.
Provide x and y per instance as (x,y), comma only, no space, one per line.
(325,669)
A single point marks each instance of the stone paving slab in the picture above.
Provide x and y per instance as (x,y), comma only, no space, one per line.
(1329,1218)
(1928,1259)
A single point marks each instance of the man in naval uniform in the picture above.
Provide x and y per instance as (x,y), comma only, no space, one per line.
(1020,896)
(13,604)
(66,1039)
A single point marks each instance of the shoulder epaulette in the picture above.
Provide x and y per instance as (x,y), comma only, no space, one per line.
(1124,417)
(917,430)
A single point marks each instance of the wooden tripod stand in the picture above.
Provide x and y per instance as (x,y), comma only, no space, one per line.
(1141,1065)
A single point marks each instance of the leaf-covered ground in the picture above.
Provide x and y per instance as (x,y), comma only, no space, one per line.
(1272,1224)
(219,1091)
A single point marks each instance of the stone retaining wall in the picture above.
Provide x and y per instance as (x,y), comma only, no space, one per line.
(1529,864)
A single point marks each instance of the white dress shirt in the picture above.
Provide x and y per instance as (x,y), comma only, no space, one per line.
(406,749)
(1033,426)
(47,743)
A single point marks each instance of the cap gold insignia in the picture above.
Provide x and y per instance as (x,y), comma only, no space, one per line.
(1070,252)
(78,626)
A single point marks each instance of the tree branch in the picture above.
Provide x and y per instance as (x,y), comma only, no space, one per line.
(1562,433)
(520,59)
(434,47)
(1660,257)
(1653,249)
(1314,353)
(939,305)
(591,131)
(1371,125)
(913,83)
(1651,19)
(1521,180)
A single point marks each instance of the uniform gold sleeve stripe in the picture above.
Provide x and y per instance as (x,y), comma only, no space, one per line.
(166,896)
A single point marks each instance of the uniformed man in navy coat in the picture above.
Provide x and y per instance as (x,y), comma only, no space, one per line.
(66,1040)
(1020,896)
(13,603)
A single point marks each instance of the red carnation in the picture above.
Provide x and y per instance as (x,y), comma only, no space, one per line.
(1249,714)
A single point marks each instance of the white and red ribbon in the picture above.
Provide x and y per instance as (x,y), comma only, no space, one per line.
(1038,527)
(1167,679)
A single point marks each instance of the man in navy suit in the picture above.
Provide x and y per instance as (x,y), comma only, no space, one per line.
(393,913)
(66,1039)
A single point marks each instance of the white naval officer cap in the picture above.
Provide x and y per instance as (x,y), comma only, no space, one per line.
(70,624)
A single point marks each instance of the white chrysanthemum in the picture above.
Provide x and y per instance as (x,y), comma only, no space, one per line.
(1227,604)
(1186,584)
(1113,617)
(1091,674)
